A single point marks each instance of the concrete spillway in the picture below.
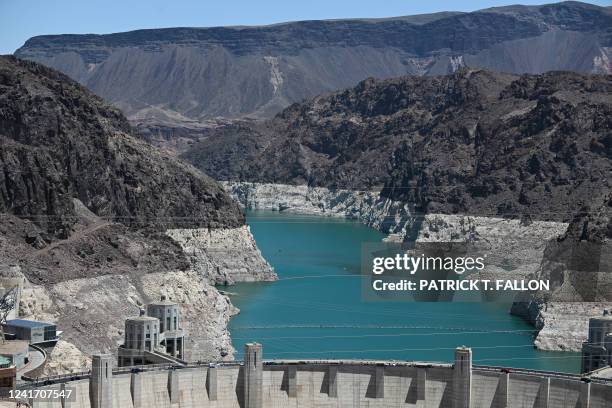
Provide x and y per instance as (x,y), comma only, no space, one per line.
(329,383)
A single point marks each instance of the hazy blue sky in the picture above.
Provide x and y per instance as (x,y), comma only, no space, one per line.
(22,19)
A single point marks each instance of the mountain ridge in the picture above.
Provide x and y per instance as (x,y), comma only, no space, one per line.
(75,145)
(473,142)
(238,72)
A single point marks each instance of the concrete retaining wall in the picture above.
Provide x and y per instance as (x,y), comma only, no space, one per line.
(122,395)
(601,396)
(344,384)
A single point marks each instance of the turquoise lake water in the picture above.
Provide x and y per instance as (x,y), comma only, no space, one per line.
(315,309)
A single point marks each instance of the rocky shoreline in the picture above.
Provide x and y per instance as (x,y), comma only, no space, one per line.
(225,255)
(91,310)
(392,217)
(517,246)
(563,326)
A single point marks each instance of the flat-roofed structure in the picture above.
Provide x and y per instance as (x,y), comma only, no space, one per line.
(33,331)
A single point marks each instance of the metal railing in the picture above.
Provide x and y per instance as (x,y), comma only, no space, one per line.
(541,373)
(41,350)
(54,379)
(145,367)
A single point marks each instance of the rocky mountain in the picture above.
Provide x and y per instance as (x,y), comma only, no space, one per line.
(61,142)
(518,165)
(97,222)
(178,75)
(473,142)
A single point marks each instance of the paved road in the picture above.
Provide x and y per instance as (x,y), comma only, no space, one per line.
(36,359)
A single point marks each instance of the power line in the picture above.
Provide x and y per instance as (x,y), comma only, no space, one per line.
(533,358)
(379,311)
(301,217)
(403,349)
(305,338)
(351,326)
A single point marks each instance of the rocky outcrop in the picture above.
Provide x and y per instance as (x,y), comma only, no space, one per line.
(74,145)
(66,358)
(562,326)
(84,210)
(177,74)
(519,249)
(514,249)
(473,143)
(225,255)
(91,312)
(579,266)
(369,207)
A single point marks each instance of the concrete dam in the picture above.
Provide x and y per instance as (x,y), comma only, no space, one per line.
(257,383)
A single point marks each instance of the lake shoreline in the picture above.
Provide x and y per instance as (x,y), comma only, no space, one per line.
(317,325)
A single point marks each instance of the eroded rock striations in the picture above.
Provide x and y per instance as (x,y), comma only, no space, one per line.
(179,74)
(578,264)
(85,210)
(393,217)
(225,255)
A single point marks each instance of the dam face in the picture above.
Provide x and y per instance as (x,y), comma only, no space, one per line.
(329,383)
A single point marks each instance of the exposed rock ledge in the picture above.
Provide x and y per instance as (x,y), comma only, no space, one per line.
(224,255)
(563,325)
(517,246)
(517,250)
(514,248)
(91,313)
(391,217)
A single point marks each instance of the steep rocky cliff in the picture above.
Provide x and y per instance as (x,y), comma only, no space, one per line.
(61,142)
(86,214)
(179,74)
(474,142)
